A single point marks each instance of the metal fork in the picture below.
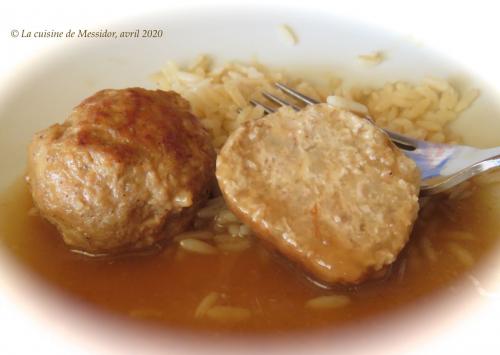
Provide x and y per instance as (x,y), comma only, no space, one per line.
(442,166)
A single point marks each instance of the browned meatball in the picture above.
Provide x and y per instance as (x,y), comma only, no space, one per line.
(323,186)
(126,168)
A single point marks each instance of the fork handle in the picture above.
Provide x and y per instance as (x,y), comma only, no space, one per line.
(464,156)
(461,176)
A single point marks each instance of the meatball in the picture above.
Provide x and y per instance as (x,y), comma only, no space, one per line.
(127,168)
(324,187)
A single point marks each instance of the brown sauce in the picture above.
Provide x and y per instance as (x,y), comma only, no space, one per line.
(166,288)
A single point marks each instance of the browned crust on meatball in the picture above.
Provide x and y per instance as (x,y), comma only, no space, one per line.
(126,168)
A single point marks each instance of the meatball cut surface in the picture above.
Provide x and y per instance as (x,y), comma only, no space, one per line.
(126,168)
(324,187)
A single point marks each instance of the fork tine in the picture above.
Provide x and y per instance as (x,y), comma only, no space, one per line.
(306,99)
(279,100)
(433,159)
(266,108)
(401,141)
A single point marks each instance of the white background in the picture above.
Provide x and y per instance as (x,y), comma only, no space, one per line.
(466,30)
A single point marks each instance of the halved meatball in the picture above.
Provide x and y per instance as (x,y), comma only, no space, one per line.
(324,187)
(127,168)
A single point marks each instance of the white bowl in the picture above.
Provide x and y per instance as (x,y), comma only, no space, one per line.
(37,317)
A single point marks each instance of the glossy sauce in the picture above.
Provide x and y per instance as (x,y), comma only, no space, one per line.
(166,288)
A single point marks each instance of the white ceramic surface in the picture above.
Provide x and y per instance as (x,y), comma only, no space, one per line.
(43,90)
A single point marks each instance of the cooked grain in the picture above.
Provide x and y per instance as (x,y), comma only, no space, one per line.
(373,58)
(245,231)
(233,230)
(289,34)
(209,211)
(220,98)
(225,216)
(235,246)
(197,246)
(328,302)
(196,234)
(466,100)
(206,303)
